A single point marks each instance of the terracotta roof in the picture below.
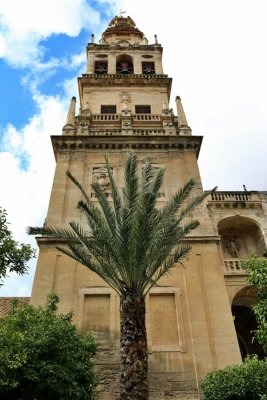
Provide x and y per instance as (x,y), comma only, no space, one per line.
(6,302)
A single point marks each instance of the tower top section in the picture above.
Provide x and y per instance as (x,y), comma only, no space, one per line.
(124,92)
(123,29)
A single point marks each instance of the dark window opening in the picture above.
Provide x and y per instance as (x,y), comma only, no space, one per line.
(108,109)
(148,68)
(124,68)
(142,109)
(101,67)
(124,64)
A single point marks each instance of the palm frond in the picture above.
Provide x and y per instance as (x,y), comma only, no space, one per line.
(165,267)
(105,206)
(79,186)
(117,202)
(79,254)
(57,233)
(129,243)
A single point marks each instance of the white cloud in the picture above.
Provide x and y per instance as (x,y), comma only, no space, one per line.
(25,191)
(30,185)
(25,23)
(27,156)
(215,53)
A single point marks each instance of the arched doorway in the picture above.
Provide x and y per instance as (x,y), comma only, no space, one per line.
(245,322)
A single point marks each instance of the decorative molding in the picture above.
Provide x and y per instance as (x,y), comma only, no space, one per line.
(140,142)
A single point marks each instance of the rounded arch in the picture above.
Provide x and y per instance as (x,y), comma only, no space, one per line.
(240,237)
(245,321)
(124,64)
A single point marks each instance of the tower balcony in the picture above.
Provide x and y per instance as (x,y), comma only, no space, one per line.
(105,117)
(234,199)
(233,267)
(153,122)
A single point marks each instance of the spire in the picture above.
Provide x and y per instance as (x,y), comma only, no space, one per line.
(70,120)
(182,121)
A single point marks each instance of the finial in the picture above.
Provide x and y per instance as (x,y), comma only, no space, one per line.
(156,39)
(70,120)
(182,121)
(122,12)
(92,38)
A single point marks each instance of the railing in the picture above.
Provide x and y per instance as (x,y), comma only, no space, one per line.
(233,266)
(134,132)
(244,199)
(118,46)
(105,117)
(108,132)
(231,196)
(149,132)
(124,76)
(146,117)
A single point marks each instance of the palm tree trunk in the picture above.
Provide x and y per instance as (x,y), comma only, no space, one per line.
(134,370)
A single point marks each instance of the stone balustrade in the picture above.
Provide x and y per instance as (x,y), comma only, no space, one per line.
(135,132)
(105,117)
(146,117)
(126,76)
(234,199)
(233,266)
(231,196)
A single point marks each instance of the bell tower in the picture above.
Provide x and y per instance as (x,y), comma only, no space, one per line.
(124,105)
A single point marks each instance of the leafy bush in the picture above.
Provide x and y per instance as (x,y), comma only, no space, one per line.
(257,269)
(245,382)
(42,357)
(13,255)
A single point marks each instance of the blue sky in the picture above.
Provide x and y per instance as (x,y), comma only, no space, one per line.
(215,51)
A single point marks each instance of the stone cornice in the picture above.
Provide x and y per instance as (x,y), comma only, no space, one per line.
(109,47)
(117,80)
(109,80)
(180,143)
(46,240)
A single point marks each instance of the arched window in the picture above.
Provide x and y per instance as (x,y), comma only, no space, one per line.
(240,237)
(124,65)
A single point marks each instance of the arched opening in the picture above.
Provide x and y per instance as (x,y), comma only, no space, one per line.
(240,237)
(124,65)
(245,322)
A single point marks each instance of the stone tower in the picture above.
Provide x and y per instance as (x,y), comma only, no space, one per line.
(124,105)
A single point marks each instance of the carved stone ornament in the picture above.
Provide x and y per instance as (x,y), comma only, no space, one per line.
(232,246)
(125,98)
(100,176)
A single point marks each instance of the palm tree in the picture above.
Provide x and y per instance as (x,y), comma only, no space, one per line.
(130,244)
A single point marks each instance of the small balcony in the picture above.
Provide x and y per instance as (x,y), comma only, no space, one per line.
(147,117)
(234,199)
(105,117)
(233,267)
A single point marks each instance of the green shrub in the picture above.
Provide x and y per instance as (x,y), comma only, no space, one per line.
(245,382)
(42,357)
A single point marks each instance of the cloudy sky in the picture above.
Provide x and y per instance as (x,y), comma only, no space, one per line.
(215,51)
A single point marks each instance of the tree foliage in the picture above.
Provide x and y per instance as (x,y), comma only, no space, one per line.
(257,269)
(42,357)
(130,243)
(239,382)
(13,255)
